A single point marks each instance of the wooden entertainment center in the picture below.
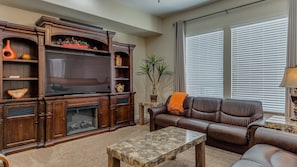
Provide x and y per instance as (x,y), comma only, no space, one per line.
(39,118)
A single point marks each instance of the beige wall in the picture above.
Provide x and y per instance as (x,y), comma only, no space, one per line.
(164,45)
(18,16)
(113,11)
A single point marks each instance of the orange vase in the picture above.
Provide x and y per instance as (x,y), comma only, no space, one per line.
(8,52)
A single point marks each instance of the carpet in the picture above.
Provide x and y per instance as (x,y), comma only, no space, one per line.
(91,152)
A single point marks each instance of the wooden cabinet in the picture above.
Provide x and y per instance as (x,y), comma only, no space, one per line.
(22,118)
(63,34)
(20,73)
(122,108)
(46,115)
(20,126)
(122,101)
(70,117)
(122,66)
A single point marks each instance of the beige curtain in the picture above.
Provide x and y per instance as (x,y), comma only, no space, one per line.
(179,60)
(292,48)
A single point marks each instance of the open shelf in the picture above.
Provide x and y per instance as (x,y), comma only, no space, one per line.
(80,49)
(20,79)
(20,61)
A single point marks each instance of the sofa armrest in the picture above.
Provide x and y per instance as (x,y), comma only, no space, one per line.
(4,161)
(257,123)
(153,111)
(283,140)
(252,127)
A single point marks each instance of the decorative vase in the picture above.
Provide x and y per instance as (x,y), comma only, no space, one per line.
(8,52)
(120,87)
(154,98)
(118,60)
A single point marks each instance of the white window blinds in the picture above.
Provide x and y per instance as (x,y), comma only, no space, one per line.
(204,64)
(258,62)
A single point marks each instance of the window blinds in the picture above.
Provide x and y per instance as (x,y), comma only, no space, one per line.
(258,62)
(204,64)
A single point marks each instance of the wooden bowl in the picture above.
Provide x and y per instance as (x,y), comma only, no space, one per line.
(18,93)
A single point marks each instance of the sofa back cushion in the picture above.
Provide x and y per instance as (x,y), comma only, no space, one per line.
(206,108)
(240,112)
(187,106)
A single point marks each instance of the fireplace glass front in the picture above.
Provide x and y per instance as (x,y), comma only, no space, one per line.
(81,119)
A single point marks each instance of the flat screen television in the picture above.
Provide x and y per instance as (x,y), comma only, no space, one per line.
(70,73)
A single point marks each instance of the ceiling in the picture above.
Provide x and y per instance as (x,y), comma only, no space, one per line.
(160,8)
(163,8)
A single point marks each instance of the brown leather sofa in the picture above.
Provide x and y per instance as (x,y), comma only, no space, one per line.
(3,161)
(226,122)
(271,148)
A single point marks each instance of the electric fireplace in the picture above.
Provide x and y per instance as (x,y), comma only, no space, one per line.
(81,119)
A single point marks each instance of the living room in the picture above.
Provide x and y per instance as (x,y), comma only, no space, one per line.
(156,35)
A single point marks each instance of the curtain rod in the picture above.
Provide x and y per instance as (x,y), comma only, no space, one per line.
(223,11)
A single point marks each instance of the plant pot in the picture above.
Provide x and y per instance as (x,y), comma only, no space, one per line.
(154,98)
(75,45)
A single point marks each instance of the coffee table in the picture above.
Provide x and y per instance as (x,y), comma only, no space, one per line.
(157,146)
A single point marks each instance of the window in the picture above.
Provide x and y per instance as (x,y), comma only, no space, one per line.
(258,62)
(204,64)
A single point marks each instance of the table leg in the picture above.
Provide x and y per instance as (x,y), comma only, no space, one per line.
(200,154)
(141,114)
(113,162)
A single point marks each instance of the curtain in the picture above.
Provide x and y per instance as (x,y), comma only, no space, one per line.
(179,60)
(292,48)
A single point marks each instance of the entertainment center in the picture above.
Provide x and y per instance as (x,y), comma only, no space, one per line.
(69,80)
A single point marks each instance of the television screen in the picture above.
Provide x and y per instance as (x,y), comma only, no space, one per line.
(74,73)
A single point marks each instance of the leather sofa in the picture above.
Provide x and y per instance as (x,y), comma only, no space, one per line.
(270,148)
(3,161)
(227,122)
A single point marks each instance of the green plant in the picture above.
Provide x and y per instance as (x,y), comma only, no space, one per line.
(71,40)
(154,67)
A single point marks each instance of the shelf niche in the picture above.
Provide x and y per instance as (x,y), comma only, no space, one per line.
(21,72)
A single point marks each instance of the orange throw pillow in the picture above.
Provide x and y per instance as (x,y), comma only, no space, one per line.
(175,105)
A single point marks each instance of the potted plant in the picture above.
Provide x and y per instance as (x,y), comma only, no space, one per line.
(154,67)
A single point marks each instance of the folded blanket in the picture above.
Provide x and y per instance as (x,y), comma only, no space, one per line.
(175,105)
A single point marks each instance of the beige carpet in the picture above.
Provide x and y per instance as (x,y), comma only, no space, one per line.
(91,152)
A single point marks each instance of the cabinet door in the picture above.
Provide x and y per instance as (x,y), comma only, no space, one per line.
(104,112)
(59,125)
(20,125)
(122,114)
(122,111)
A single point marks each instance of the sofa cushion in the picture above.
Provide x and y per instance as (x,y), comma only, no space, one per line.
(206,108)
(194,124)
(267,155)
(228,133)
(165,120)
(240,112)
(247,163)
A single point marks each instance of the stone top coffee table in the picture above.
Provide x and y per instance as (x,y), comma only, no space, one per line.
(157,146)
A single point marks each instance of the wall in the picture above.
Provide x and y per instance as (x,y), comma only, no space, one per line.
(164,45)
(113,11)
(25,17)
